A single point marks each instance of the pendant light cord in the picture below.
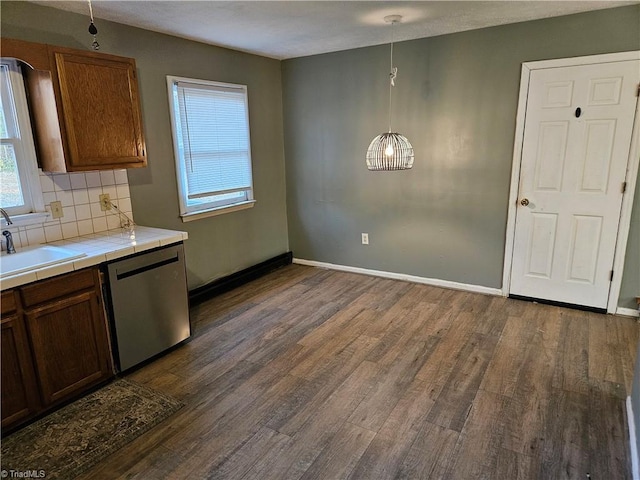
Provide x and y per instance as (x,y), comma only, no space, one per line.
(392,73)
(90,11)
(391,76)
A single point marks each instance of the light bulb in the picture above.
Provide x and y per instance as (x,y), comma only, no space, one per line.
(389,150)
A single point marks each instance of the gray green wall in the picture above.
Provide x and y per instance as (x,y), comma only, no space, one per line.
(220,245)
(456,101)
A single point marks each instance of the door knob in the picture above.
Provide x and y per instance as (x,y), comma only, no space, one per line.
(524,202)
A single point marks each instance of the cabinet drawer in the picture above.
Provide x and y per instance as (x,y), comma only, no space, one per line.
(8,302)
(57,287)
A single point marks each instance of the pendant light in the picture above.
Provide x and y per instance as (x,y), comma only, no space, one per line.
(93,30)
(390,151)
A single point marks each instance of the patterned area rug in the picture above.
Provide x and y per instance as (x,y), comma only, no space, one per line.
(71,440)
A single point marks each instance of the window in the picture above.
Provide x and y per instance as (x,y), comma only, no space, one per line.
(20,191)
(210,123)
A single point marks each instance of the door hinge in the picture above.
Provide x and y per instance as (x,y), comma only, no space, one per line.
(624,187)
(638,91)
(611,276)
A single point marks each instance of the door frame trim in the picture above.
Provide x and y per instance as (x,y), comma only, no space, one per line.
(631,177)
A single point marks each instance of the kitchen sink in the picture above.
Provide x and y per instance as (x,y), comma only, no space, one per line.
(31,258)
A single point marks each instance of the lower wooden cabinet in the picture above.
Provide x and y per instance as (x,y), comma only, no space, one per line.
(20,398)
(55,344)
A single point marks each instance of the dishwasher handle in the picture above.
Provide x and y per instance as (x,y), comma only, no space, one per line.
(125,273)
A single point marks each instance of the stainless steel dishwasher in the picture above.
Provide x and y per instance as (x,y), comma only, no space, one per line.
(149,304)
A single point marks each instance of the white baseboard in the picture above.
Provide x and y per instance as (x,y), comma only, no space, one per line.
(401,276)
(635,468)
(628,312)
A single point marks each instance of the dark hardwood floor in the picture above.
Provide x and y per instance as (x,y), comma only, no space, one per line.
(314,374)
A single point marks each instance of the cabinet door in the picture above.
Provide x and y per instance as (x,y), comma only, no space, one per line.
(70,345)
(20,397)
(100,109)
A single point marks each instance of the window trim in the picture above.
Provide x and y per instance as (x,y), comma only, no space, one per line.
(191,213)
(27,158)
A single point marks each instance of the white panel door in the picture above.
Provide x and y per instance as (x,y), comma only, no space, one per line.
(577,136)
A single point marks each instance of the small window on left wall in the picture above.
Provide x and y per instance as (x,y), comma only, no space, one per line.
(20,191)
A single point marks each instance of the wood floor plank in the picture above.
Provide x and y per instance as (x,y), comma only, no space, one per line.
(511,465)
(607,451)
(209,444)
(341,454)
(254,397)
(228,350)
(429,455)
(491,315)
(628,338)
(572,369)
(336,380)
(240,462)
(333,326)
(446,353)
(528,410)
(504,368)
(601,366)
(343,398)
(564,452)
(479,442)
(312,373)
(441,317)
(308,443)
(155,462)
(396,437)
(408,328)
(374,410)
(324,353)
(610,366)
(455,400)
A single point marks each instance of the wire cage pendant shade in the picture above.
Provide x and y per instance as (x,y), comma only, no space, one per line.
(390,151)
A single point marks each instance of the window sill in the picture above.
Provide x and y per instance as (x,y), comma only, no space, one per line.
(190,217)
(25,219)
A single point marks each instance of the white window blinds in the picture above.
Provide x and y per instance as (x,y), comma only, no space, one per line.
(211,129)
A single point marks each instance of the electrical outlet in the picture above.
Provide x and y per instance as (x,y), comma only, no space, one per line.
(105,202)
(56,209)
(365,239)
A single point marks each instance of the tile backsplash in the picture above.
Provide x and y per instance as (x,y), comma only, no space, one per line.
(79,195)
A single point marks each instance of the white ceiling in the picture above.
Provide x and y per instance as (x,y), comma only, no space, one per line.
(287,29)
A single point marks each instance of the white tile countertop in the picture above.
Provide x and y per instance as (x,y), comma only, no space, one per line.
(97,248)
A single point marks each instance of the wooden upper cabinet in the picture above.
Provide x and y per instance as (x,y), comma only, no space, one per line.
(100,108)
(85,107)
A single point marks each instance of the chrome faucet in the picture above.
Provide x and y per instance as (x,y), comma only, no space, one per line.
(10,247)
(6,216)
